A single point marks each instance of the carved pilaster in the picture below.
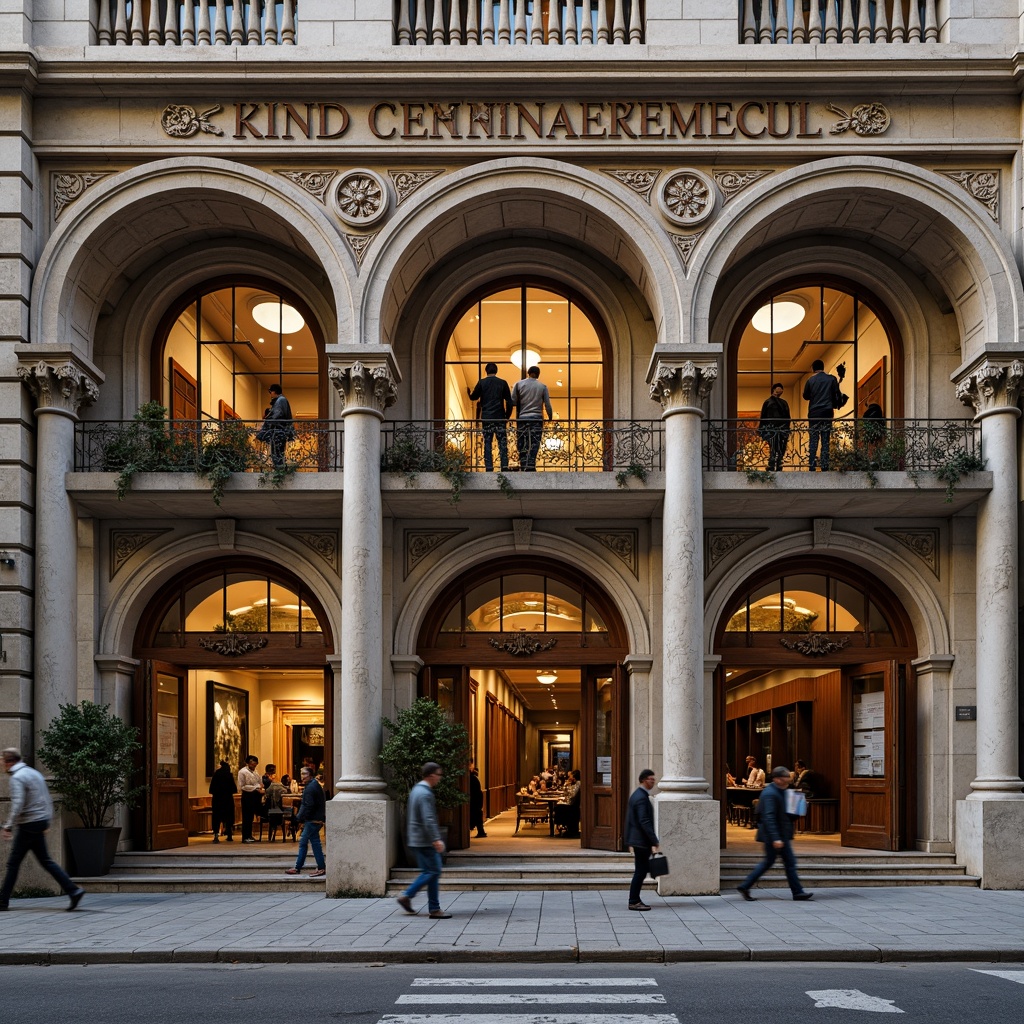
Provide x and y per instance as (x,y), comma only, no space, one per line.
(682,385)
(621,543)
(992,386)
(370,384)
(60,383)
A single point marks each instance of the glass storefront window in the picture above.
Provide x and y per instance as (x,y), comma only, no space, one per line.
(246,605)
(483,608)
(766,608)
(204,606)
(563,609)
(168,740)
(603,705)
(594,620)
(804,601)
(868,725)
(522,603)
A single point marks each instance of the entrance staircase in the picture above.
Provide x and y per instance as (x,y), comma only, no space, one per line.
(852,868)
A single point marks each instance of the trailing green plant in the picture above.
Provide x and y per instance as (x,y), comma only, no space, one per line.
(277,475)
(452,465)
(505,486)
(956,467)
(422,733)
(635,471)
(410,454)
(91,756)
(758,476)
(225,451)
(146,445)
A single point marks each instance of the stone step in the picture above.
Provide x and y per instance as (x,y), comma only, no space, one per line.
(205,882)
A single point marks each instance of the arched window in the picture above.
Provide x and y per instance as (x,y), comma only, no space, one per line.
(222,345)
(785,329)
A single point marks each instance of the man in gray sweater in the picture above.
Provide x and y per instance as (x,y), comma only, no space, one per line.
(424,838)
(531,400)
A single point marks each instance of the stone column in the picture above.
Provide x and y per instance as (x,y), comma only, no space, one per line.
(358,816)
(61,382)
(406,671)
(990,822)
(688,818)
(934,762)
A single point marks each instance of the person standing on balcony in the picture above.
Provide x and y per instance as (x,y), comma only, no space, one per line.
(531,400)
(278,426)
(495,408)
(822,394)
(774,427)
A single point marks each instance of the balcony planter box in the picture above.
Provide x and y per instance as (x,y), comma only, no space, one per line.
(92,850)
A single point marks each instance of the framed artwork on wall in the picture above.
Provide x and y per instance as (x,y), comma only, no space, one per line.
(227,725)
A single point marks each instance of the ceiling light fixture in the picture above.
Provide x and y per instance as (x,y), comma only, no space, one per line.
(547,676)
(516,358)
(779,315)
(274,315)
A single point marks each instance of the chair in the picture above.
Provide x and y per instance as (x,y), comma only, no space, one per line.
(532,811)
(567,817)
(274,820)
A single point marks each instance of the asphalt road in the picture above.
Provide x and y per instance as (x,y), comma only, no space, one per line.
(513,993)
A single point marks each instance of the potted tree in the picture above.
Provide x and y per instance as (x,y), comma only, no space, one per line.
(422,733)
(91,756)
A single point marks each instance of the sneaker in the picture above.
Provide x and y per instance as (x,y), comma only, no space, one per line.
(291,871)
(745,893)
(800,897)
(248,840)
(406,904)
(639,906)
(75,898)
(439,915)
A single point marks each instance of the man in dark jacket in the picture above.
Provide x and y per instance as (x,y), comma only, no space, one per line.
(775,830)
(278,425)
(495,400)
(222,804)
(312,814)
(822,394)
(476,802)
(774,427)
(640,835)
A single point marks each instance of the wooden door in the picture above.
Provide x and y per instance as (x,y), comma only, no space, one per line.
(603,742)
(184,393)
(873,798)
(167,755)
(449,686)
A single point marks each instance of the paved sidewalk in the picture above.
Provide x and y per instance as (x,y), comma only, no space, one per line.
(839,924)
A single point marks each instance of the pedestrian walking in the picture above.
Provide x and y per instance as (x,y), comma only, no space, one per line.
(424,838)
(312,815)
(476,802)
(222,802)
(31,811)
(775,830)
(640,835)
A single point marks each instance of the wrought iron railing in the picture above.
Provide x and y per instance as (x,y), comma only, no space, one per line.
(910,446)
(564,446)
(518,22)
(194,446)
(838,21)
(196,22)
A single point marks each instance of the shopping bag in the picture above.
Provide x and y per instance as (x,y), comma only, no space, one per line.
(658,865)
(796,803)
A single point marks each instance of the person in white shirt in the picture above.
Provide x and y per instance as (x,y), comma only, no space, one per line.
(251,787)
(755,775)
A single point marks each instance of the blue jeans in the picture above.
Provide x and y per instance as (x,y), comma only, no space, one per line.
(429,862)
(820,432)
(788,862)
(528,435)
(31,838)
(310,837)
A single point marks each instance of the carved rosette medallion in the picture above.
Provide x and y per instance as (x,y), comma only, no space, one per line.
(992,386)
(315,183)
(419,544)
(361,198)
(359,244)
(865,119)
(815,645)
(521,645)
(685,244)
(62,385)
(688,384)
(364,387)
(406,182)
(182,122)
(321,542)
(732,182)
(232,645)
(641,182)
(718,544)
(923,542)
(124,544)
(68,186)
(621,543)
(687,198)
(980,185)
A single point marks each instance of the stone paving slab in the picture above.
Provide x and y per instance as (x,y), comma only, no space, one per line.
(863,925)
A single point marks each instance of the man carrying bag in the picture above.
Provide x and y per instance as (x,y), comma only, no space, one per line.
(640,835)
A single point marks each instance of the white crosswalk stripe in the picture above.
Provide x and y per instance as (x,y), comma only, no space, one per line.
(852,999)
(1017,976)
(530,1018)
(532,998)
(535,982)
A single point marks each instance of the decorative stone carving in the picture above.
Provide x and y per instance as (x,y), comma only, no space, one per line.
(522,644)
(363,386)
(866,119)
(419,544)
(361,198)
(322,542)
(685,244)
(814,645)
(719,543)
(225,534)
(822,529)
(315,183)
(359,244)
(923,542)
(733,182)
(182,122)
(992,386)
(641,182)
(687,385)
(621,543)
(980,185)
(68,186)
(124,544)
(59,384)
(233,645)
(687,198)
(406,182)
(521,530)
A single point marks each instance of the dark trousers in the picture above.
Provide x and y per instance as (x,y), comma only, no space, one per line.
(251,804)
(820,433)
(641,861)
(278,440)
(223,816)
(777,442)
(528,437)
(429,861)
(31,837)
(788,862)
(495,429)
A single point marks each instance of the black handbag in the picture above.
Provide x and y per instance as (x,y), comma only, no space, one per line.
(658,865)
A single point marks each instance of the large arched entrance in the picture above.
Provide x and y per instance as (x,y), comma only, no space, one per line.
(232,661)
(528,652)
(816,668)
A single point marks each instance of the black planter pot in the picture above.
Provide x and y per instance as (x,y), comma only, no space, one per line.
(92,850)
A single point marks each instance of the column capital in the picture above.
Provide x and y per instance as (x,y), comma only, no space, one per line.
(638,663)
(116,663)
(61,380)
(991,384)
(680,381)
(366,379)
